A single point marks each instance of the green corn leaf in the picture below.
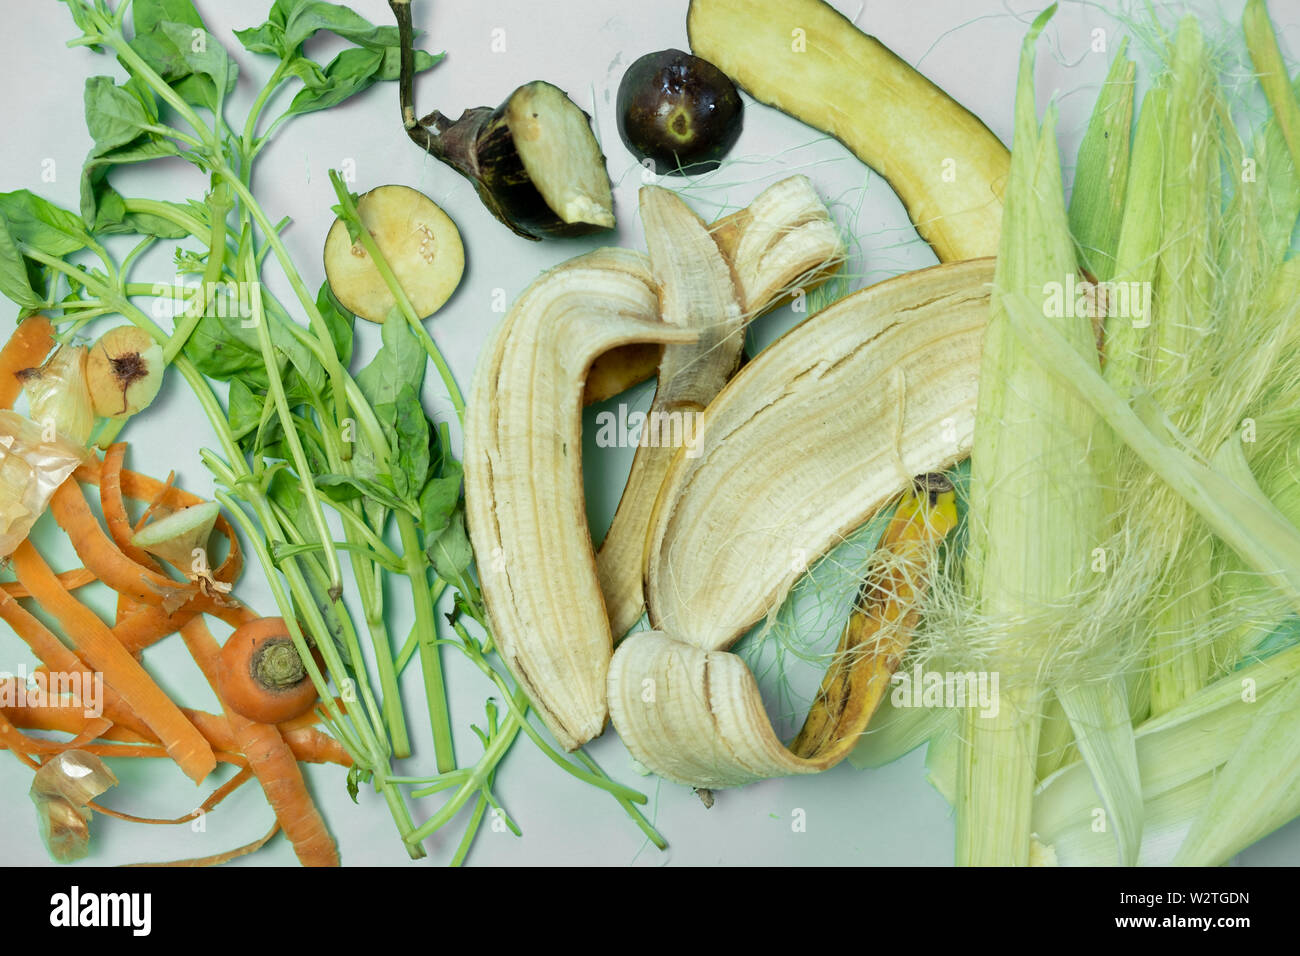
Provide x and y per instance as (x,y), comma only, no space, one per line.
(1101,174)
(1273,77)
(1103,732)
(1036,508)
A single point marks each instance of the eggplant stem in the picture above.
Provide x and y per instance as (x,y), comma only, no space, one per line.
(415,129)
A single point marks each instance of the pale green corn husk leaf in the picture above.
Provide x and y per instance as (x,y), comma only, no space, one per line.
(895,731)
(1178,754)
(1138,247)
(1036,504)
(1101,173)
(1261,40)
(1243,518)
(1256,791)
(941,758)
(1103,733)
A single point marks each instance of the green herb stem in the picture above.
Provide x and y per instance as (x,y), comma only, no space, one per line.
(435,687)
(328,357)
(486,765)
(219,204)
(294,442)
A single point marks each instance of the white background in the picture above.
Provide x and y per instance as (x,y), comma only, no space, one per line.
(887,816)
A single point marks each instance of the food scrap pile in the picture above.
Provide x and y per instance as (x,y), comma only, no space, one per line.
(1065,454)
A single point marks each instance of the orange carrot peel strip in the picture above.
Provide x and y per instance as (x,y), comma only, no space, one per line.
(122,672)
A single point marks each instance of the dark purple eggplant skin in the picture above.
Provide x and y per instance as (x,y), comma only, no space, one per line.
(678,111)
(481,147)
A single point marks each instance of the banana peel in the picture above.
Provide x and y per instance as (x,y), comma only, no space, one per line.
(696,717)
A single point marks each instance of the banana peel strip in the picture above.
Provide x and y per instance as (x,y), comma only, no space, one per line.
(715,279)
(696,291)
(781,244)
(696,717)
(523,479)
(814,436)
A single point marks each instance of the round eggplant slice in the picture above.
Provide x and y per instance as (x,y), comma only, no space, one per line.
(420,242)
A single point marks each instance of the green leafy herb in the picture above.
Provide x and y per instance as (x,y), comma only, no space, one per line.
(37,222)
(14,280)
(400,361)
(438,500)
(450,550)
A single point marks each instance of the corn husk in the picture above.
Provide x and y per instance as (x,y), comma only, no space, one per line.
(1032,469)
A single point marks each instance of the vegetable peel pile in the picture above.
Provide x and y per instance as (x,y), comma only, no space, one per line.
(1045,489)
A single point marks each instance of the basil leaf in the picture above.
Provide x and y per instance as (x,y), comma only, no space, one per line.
(399,361)
(15,283)
(309,71)
(224,350)
(114,115)
(286,491)
(348,73)
(191,60)
(102,207)
(438,501)
(353,71)
(81,17)
(339,321)
(407,430)
(450,552)
(317,463)
(351,486)
(390,68)
(305,18)
(244,409)
(147,14)
(267,38)
(306,370)
(37,222)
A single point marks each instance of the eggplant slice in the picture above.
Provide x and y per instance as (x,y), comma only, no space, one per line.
(420,242)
